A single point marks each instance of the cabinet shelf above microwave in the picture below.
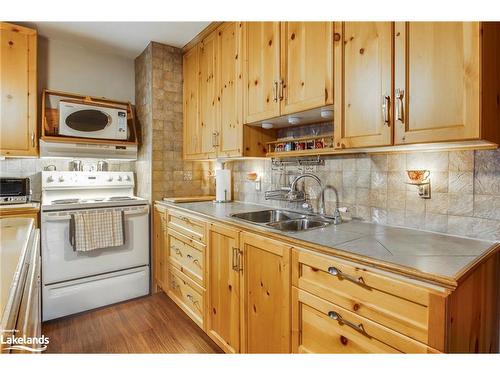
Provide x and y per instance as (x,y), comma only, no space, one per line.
(50,118)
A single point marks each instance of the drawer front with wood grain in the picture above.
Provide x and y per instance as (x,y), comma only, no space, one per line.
(186,255)
(187,295)
(391,302)
(319,326)
(188,225)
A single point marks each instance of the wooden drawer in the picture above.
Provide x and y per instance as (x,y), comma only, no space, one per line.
(392,302)
(186,255)
(188,225)
(187,295)
(320,326)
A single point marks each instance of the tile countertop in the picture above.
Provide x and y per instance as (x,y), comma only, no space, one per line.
(428,253)
(15,234)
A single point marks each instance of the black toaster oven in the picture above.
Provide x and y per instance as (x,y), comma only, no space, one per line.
(14,190)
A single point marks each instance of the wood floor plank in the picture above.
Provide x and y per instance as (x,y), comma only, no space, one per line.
(153,324)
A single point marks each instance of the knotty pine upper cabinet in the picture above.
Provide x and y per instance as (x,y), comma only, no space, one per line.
(288,68)
(230,139)
(208,95)
(223,288)
(266,294)
(192,130)
(363,84)
(262,70)
(306,66)
(437,77)
(18,78)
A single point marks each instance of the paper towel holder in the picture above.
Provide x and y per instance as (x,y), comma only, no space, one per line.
(223,196)
(223,200)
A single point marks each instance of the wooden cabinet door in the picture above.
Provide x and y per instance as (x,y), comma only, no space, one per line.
(266,290)
(192,134)
(230,90)
(437,81)
(306,65)
(261,46)
(208,96)
(223,306)
(18,104)
(363,89)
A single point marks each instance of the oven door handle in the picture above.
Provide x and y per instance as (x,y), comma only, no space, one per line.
(64,216)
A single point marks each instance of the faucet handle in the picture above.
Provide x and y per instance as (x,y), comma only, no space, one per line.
(337,217)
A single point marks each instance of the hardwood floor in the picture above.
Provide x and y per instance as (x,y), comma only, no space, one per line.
(153,324)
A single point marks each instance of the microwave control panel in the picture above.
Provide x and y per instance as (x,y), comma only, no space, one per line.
(122,123)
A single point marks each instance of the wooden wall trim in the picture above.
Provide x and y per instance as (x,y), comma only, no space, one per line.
(201,35)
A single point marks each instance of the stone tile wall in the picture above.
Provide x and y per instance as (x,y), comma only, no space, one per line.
(465,189)
(159,107)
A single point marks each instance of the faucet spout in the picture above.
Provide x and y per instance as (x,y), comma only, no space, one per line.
(293,185)
(337,218)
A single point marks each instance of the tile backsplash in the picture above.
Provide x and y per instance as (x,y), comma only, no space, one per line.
(465,189)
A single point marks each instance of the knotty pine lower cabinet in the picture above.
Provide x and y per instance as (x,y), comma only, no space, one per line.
(223,288)
(343,307)
(266,294)
(248,292)
(160,254)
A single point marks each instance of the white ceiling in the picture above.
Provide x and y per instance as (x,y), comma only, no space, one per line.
(123,38)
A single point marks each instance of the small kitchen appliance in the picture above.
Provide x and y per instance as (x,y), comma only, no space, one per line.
(92,121)
(14,190)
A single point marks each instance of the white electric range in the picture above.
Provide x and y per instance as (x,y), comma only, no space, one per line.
(79,281)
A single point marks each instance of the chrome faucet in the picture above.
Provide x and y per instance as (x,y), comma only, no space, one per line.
(337,218)
(293,187)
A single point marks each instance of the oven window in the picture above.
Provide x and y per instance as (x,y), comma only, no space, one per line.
(88,120)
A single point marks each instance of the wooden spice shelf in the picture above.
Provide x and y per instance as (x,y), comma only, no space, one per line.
(301,146)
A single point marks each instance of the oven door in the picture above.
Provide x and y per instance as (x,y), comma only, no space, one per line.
(60,263)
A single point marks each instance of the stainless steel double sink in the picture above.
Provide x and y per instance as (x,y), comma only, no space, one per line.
(286,221)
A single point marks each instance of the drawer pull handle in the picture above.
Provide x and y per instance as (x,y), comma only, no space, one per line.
(358,327)
(336,272)
(183,218)
(189,256)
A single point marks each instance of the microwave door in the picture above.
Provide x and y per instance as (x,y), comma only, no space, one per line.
(89,123)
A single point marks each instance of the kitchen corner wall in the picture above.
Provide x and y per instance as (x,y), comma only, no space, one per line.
(465,189)
(161,170)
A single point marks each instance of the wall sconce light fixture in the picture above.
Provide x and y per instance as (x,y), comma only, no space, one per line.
(421,179)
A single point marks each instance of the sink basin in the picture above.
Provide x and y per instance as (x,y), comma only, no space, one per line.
(267,216)
(298,225)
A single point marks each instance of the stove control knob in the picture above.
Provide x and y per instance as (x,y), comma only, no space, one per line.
(50,179)
(110,178)
(120,178)
(61,179)
(128,178)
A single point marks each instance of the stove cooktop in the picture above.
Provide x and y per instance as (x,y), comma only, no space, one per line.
(92,200)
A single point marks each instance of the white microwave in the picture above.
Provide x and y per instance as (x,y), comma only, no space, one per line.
(91,121)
